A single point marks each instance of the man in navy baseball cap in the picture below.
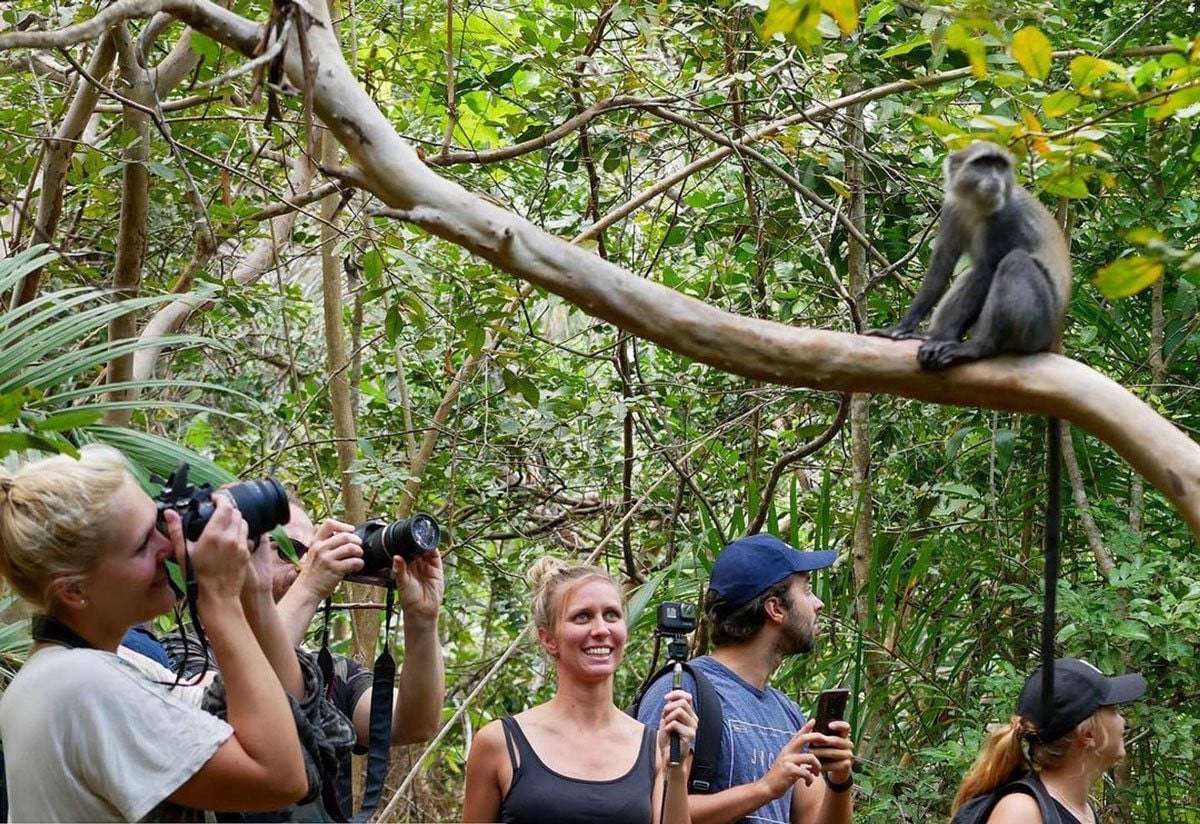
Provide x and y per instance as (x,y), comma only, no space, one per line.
(750,566)
(772,766)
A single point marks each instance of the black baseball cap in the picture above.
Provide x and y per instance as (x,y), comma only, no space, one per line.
(749,566)
(1079,690)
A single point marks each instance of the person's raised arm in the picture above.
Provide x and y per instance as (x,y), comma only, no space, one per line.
(421,685)
(260,767)
(678,717)
(266,623)
(336,552)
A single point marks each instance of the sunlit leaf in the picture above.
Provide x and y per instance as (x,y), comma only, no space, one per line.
(1059,103)
(1086,70)
(1144,236)
(959,39)
(1031,49)
(1127,276)
(843,12)
(1176,101)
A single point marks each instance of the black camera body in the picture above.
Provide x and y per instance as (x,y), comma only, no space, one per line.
(263,504)
(408,538)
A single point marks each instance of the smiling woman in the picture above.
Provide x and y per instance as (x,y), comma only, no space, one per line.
(88,737)
(532,767)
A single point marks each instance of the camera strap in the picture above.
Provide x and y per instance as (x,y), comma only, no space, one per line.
(379,747)
(54,631)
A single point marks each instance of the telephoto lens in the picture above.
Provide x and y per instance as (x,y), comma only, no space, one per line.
(263,504)
(407,538)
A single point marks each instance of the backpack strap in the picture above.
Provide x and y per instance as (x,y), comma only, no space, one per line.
(711,719)
(1030,784)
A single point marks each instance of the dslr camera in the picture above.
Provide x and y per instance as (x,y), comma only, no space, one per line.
(408,538)
(263,504)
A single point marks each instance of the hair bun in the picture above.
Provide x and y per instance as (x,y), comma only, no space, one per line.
(544,569)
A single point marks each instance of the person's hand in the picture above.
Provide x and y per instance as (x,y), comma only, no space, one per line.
(835,752)
(678,716)
(259,573)
(793,763)
(220,556)
(420,584)
(336,552)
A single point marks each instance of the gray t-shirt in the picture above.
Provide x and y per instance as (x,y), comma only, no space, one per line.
(89,738)
(757,724)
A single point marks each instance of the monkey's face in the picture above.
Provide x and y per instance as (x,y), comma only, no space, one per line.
(981,177)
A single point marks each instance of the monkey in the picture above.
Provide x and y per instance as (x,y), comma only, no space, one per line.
(1014,297)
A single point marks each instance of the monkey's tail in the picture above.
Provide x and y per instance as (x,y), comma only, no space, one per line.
(1053,541)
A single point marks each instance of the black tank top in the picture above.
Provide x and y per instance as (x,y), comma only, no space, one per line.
(538,794)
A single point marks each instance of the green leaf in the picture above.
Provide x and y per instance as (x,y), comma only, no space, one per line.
(71,419)
(905,48)
(797,20)
(206,47)
(161,170)
(1144,236)
(1031,49)
(879,10)
(12,441)
(476,336)
(1059,103)
(1127,276)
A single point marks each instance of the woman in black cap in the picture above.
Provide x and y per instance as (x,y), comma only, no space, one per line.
(1059,748)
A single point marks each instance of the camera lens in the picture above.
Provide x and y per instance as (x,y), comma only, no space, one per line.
(425,532)
(407,538)
(263,504)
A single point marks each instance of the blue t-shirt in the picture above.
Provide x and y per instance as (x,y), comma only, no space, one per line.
(757,724)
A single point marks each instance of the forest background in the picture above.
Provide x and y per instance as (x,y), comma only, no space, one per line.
(195,270)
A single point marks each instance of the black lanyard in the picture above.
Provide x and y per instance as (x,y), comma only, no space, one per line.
(45,628)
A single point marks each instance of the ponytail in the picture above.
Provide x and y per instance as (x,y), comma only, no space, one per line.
(1001,756)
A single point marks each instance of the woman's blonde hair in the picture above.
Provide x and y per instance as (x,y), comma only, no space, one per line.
(1005,750)
(54,515)
(549,579)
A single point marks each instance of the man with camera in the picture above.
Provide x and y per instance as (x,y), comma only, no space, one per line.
(328,554)
(771,765)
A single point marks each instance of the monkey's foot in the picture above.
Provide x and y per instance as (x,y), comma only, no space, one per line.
(896,333)
(936,355)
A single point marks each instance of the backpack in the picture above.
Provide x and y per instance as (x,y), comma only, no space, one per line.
(707,705)
(978,809)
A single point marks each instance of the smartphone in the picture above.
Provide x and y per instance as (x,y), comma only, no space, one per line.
(831,706)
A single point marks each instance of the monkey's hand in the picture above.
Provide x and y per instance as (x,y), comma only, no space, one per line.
(898,332)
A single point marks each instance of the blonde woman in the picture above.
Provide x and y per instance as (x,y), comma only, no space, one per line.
(1064,747)
(578,758)
(87,737)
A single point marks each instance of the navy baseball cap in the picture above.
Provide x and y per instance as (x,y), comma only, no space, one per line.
(1079,690)
(749,566)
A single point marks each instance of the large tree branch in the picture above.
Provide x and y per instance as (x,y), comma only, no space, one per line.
(59,150)
(135,211)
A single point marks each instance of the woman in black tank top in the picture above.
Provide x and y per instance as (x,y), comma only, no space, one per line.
(577,758)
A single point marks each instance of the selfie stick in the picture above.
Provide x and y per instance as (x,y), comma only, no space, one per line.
(676,684)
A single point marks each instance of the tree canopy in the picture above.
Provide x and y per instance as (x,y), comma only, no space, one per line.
(586,278)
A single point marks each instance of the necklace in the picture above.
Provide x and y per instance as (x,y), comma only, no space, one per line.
(1084,818)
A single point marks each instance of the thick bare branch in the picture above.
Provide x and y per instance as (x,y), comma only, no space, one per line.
(135,210)
(58,159)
